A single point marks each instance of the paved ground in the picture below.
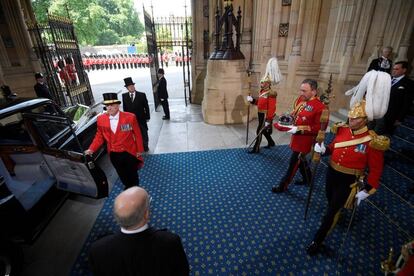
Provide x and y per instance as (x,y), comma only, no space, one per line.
(112,81)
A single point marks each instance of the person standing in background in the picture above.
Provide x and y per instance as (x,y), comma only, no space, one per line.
(40,88)
(163,94)
(137,103)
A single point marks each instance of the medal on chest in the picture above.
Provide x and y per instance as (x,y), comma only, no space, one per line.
(308,108)
(126,127)
(361,148)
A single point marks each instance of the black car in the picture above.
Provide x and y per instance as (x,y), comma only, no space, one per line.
(41,161)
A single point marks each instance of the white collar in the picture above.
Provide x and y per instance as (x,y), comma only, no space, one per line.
(399,78)
(116,117)
(141,229)
(384,58)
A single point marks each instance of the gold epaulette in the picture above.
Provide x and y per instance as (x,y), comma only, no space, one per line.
(335,126)
(379,142)
(273,92)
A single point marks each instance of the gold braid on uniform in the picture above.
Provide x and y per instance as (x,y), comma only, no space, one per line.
(379,142)
(335,126)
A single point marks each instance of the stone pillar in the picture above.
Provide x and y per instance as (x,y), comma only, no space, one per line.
(405,42)
(34,61)
(380,37)
(295,54)
(225,90)
(346,59)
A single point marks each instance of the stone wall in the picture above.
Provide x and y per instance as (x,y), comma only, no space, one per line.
(311,39)
(18,62)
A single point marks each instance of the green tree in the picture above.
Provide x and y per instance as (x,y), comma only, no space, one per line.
(108,37)
(93,19)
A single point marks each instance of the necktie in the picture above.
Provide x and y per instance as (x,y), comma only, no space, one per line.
(132,96)
(393,81)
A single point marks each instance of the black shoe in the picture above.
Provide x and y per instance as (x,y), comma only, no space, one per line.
(279,189)
(146,149)
(313,248)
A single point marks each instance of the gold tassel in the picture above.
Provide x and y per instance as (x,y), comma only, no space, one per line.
(349,204)
(335,221)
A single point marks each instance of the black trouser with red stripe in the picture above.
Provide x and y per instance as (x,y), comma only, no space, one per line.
(296,161)
(266,132)
(126,165)
(337,192)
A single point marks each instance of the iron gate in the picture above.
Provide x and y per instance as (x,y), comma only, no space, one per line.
(56,45)
(165,33)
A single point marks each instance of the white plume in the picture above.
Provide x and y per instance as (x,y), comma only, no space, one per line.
(375,87)
(272,69)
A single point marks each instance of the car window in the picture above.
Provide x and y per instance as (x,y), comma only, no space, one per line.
(13,131)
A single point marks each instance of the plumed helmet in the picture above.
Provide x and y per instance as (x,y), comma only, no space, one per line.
(357,110)
(374,88)
(272,73)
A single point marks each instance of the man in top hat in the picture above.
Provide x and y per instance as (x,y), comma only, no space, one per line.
(354,149)
(41,88)
(266,107)
(307,113)
(120,131)
(163,94)
(137,103)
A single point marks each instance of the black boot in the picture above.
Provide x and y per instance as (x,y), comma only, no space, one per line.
(280,188)
(313,248)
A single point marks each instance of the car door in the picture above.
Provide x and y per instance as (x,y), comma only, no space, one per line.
(74,171)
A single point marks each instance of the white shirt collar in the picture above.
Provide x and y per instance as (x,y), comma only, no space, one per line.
(141,229)
(384,58)
(398,78)
(116,117)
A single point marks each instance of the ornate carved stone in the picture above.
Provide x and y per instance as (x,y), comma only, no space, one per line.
(283,29)
(286,2)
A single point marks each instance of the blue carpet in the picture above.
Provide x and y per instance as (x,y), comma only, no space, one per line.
(220,203)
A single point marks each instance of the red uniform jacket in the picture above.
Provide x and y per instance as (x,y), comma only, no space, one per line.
(266,103)
(359,156)
(307,118)
(126,138)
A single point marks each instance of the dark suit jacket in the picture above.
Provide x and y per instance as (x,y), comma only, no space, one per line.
(162,88)
(42,91)
(376,65)
(401,98)
(151,252)
(139,107)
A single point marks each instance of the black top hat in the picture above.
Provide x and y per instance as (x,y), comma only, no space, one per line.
(38,75)
(110,98)
(128,81)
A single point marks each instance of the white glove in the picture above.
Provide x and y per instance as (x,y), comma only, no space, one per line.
(293,130)
(361,195)
(267,124)
(249,99)
(320,148)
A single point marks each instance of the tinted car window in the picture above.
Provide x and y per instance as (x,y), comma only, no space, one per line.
(13,131)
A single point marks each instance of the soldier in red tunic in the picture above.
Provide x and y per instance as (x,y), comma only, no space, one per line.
(354,149)
(121,132)
(307,113)
(266,108)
